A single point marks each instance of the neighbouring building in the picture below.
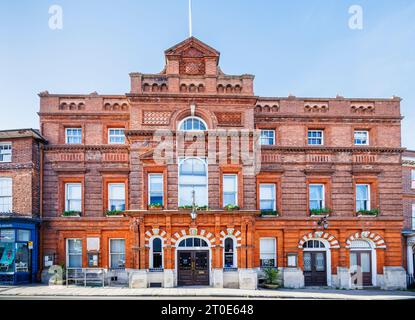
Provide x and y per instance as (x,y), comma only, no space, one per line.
(408,176)
(20,183)
(325,207)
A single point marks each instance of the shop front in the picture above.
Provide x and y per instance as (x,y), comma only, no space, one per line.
(18,251)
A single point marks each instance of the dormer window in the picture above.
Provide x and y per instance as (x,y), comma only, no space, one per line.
(192,124)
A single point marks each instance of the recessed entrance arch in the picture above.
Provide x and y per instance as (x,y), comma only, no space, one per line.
(317,262)
(193,261)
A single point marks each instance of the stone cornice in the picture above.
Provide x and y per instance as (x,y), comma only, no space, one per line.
(76,115)
(324,118)
(188,98)
(81,148)
(334,149)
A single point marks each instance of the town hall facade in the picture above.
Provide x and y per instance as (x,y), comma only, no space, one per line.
(311,186)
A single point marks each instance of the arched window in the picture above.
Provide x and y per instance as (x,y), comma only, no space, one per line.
(193,124)
(314,244)
(156,254)
(193,181)
(229,259)
(192,242)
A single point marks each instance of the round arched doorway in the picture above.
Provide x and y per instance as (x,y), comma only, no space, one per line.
(362,263)
(193,261)
(316,263)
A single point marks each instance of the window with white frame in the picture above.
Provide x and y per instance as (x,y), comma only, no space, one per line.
(193,182)
(362,197)
(267,137)
(267,196)
(155,189)
(74,253)
(230,189)
(156,252)
(116,196)
(5,152)
(413,216)
(267,252)
(229,253)
(361,137)
(73,197)
(316,196)
(413,179)
(73,136)
(192,124)
(315,137)
(116,136)
(117,253)
(6,195)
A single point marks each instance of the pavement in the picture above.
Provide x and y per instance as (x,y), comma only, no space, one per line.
(40,292)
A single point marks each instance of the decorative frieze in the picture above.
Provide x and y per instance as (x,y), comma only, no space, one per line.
(156,117)
(229,118)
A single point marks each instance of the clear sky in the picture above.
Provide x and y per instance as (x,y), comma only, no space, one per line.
(303,47)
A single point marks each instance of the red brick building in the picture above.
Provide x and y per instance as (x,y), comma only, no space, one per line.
(408,177)
(325,206)
(20,185)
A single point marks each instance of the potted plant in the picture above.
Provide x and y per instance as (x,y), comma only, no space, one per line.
(373,212)
(231,207)
(272,280)
(320,212)
(71,213)
(114,213)
(155,206)
(269,212)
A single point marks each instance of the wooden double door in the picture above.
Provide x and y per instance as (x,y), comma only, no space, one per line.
(315,270)
(193,268)
(361,268)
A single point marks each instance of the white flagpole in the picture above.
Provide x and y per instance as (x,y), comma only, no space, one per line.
(190,19)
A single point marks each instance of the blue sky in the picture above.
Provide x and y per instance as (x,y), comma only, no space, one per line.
(301,47)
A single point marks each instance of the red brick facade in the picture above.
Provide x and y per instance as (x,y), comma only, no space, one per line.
(160,101)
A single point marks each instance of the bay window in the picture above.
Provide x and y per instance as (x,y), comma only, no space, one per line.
(193,182)
(230,189)
(267,252)
(362,197)
(73,197)
(267,196)
(155,189)
(116,196)
(6,197)
(117,253)
(316,196)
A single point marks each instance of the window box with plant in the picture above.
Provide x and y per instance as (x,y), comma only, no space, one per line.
(155,206)
(199,208)
(320,212)
(114,213)
(231,207)
(71,214)
(371,213)
(269,213)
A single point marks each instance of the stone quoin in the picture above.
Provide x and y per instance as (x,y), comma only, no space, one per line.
(324,207)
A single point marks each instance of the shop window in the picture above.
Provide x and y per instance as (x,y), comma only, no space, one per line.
(156,261)
(73,136)
(7,250)
(6,197)
(230,189)
(74,253)
(267,137)
(73,197)
(316,137)
(361,137)
(155,189)
(116,196)
(229,253)
(117,253)
(267,252)
(316,196)
(5,152)
(267,196)
(193,182)
(22,263)
(116,136)
(23,235)
(362,197)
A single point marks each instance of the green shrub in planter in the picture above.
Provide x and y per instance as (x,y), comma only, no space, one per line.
(373,212)
(114,213)
(271,277)
(155,206)
(269,213)
(231,207)
(320,212)
(71,213)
